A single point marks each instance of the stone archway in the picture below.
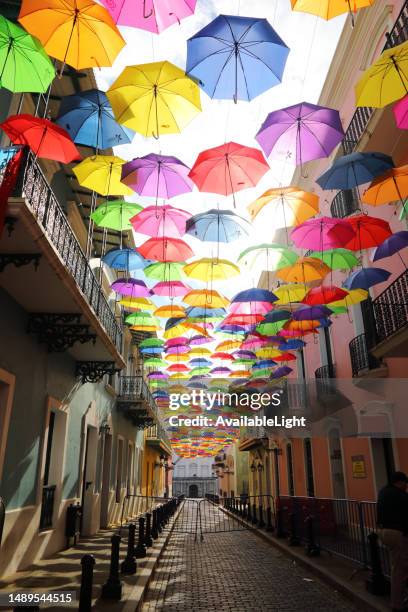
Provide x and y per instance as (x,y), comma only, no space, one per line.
(193,490)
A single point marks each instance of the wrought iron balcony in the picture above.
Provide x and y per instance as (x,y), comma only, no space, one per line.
(362,360)
(344,203)
(325,372)
(391,309)
(157,436)
(324,382)
(136,402)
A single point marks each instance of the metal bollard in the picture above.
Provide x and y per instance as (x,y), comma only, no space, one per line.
(261,522)
(376,584)
(254,518)
(154,530)
(129,565)
(312,548)
(112,589)
(279,523)
(248,511)
(140,550)
(293,539)
(85,593)
(160,519)
(148,541)
(269,526)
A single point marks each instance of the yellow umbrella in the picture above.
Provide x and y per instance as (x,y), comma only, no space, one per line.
(207,269)
(305,270)
(267,353)
(205,297)
(181,328)
(228,345)
(199,351)
(178,376)
(154,99)
(291,205)
(172,310)
(175,357)
(80,33)
(102,173)
(389,187)
(327,9)
(144,328)
(290,293)
(355,296)
(137,303)
(386,80)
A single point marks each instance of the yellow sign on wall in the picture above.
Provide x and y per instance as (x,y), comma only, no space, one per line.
(358,465)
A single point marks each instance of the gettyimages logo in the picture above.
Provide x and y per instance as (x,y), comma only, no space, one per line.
(209,400)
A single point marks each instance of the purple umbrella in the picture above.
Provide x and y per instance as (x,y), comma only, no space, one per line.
(180,349)
(282,371)
(157,375)
(221,370)
(130,287)
(157,176)
(242,354)
(392,245)
(304,131)
(198,339)
(310,313)
(366,278)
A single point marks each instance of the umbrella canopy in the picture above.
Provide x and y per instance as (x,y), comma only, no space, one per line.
(208,269)
(386,80)
(392,245)
(305,313)
(161,221)
(205,297)
(137,303)
(178,367)
(355,169)
(324,295)
(268,256)
(400,111)
(44,138)
(281,372)
(305,270)
(327,9)
(141,317)
(151,15)
(305,131)
(236,57)
(287,294)
(247,308)
(124,259)
(389,187)
(290,205)
(217,225)
(154,99)
(165,271)
(337,259)
(88,118)
(254,295)
(170,289)
(354,296)
(101,173)
(24,65)
(158,176)
(171,310)
(80,33)
(322,233)
(197,340)
(115,214)
(165,249)
(369,232)
(366,278)
(228,168)
(130,287)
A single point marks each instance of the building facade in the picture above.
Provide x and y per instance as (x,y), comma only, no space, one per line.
(194,478)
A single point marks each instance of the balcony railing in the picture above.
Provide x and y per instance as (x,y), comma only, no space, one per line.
(391,308)
(362,116)
(134,388)
(361,359)
(157,432)
(34,187)
(47,507)
(344,204)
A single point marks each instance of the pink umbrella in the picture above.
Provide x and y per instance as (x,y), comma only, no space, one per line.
(252,343)
(198,340)
(176,341)
(160,221)
(130,287)
(246,308)
(400,110)
(170,289)
(151,15)
(177,350)
(165,249)
(322,233)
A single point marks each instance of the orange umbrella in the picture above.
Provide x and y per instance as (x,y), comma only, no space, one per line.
(80,33)
(301,326)
(205,297)
(292,205)
(389,187)
(305,270)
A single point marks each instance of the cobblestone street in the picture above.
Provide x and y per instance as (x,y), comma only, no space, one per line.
(234,571)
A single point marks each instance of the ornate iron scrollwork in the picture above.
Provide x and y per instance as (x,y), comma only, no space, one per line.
(59,331)
(94,371)
(19,259)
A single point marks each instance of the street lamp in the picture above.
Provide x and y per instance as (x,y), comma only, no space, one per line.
(253,467)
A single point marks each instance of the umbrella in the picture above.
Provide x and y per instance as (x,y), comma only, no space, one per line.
(281,372)
(369,232)
(172,310)
(208,269)
(322,233)
(154,99)
(327,9)
(247,308)
(165,249)
(287,294)
(205,297)
(337,259)
(277,315)
(44,138)
(222,356)
(217,225)
(178,367)
(366,278)
(236,57)
(158,176)
(178,349)
(101,173)
(400,111)
(355,296)
(197,340)
(268,256)
(130,287)
(324,295)
(254,295)
(140,318)
(161,221)
(165,271)
(303,131)
(355,169)
(395,243)
(305,270)
(269,328)
(170,288)
(88,118)
(151,342)
(389,187)
(200,362)
(115,214)
(137,303)
(151,15)
(302,326)
(80,33)
(124,259)
(228,168)
(24,65)
(386,80)
(305,313)
(294,344)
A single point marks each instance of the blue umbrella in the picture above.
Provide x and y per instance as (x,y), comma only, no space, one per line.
(198,312)
(264,363)
(282,371)
(217,226)
(355,169)
(392,245)
(200,362)
(277,315)
(292,345)
(325,323)
(366,278)
(255,295)
(236,57)
(125,259)
(151,350)
(308,313)
(88,118)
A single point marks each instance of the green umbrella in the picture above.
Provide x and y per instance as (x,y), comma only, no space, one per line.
(151,343)
(154,362)
(337,259)
(268,256)
(338,309)
(270,329)
(24,65)
(265,373)
(141,318)
(404,211)
(165,271)
(116,214)
(242,361)
(199,371)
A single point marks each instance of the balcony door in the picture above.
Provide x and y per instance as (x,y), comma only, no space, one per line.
(88,479)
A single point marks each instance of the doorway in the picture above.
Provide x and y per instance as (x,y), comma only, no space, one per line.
(193,490)
(106,469)
(88,479)
(336,464)
(383,460)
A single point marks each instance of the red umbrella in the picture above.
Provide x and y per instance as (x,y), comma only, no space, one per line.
(165,249)
(244,319)
(178,367)
(285,357)
(228,168)
(324,295)
(44,138)
(222,356)
(370,232)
